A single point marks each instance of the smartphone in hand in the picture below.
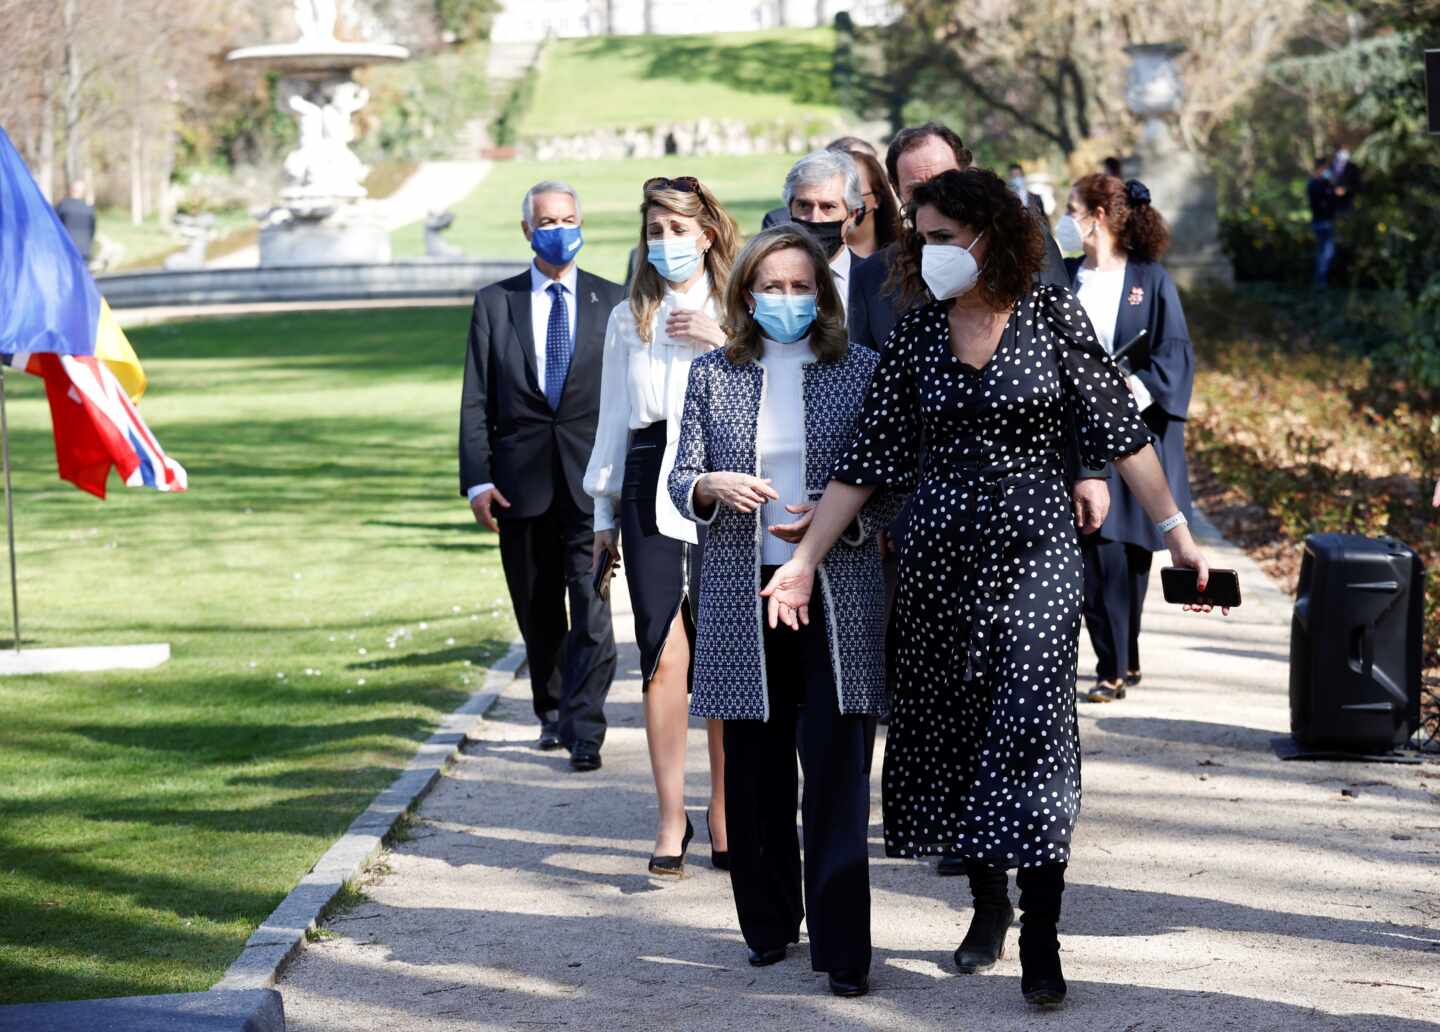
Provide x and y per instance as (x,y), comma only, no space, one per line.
(1223,590)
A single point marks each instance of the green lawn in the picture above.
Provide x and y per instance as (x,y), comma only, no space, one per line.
(328,599)
(487,223)
(617,81)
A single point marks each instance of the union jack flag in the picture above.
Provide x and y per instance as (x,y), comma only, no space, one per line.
(97,427)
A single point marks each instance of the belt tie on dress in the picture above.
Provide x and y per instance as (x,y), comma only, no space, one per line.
(992,523)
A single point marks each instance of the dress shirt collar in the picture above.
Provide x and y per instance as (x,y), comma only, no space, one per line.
(841,265)
(539,282)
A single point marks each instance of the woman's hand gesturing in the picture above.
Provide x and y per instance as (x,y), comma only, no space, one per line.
(738,491)
(794,532)
(789,594)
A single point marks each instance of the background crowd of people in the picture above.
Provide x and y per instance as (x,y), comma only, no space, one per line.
(876,463)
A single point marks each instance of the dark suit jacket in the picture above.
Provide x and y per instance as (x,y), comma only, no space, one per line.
(775,217)
(872,310)
(1150,302)
(508,434)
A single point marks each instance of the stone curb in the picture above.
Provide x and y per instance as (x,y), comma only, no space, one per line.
(257,1010)
(282,934)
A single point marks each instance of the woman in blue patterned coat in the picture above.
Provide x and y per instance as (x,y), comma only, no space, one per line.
(765,421)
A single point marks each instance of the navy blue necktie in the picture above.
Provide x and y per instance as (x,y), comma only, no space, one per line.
(558,347)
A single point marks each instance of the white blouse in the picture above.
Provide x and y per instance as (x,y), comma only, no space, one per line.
(1100,292)
(642,384)
(781,444)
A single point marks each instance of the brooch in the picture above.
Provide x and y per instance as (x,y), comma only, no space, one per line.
(1137,295)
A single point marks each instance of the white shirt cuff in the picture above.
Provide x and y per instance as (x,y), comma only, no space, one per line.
(478,489)
(604,513)
(1143,400)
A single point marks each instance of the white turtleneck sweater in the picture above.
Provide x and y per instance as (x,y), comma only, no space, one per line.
(781,443)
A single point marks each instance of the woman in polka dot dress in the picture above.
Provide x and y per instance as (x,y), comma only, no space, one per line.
(982,755)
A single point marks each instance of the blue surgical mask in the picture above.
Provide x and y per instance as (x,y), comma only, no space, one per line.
(557,245)
(784,317)
(675,258)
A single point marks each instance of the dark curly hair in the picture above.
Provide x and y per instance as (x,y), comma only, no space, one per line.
(979,199)
(1138,228)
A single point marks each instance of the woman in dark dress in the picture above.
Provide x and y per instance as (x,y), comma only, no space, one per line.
(982,755)
(1126,291)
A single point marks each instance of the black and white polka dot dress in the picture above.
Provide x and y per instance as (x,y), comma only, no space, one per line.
(982,755)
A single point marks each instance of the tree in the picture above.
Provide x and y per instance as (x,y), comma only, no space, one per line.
(1055,69)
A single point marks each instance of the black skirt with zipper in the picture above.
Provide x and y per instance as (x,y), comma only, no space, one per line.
(661,572)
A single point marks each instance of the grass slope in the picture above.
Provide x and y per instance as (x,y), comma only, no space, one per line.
(487,222)
(617,81)
(149,820)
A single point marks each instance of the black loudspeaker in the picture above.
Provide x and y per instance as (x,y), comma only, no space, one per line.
(1432,88)
(1355,644)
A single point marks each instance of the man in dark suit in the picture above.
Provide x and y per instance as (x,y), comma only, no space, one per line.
(1015,176)
(823,195)
(917,155)
(527,425)
(781,215)
(78,218)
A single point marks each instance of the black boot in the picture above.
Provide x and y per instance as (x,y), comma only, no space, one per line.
(984,943)
(1041,981)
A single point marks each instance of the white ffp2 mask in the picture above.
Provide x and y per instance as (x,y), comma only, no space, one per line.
(949,270)
(1068,236)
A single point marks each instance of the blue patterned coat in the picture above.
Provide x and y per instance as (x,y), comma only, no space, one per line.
(719,433)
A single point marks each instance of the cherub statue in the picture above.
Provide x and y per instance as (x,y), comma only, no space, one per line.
(316,19)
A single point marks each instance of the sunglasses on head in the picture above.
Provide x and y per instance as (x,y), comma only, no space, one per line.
(684,184)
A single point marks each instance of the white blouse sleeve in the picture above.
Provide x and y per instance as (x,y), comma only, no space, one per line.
(605,475)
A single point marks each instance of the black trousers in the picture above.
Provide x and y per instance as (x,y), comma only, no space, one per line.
(572,660)
(760,788)
(1117,577)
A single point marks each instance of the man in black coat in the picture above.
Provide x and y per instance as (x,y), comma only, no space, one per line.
(527,424)
(78,218)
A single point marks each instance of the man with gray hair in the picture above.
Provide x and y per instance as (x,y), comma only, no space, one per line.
(527,424)
(823,196)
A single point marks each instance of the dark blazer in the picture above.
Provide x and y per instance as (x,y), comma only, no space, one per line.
(508,434)
(1151,303)
(872,311)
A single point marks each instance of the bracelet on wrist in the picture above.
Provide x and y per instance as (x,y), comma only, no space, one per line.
(1166,526)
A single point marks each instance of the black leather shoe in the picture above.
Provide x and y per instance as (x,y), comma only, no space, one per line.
(844,983)
(1132,679)
(549,736)
(951,864)
(764,958)
(585,757)
(674,866)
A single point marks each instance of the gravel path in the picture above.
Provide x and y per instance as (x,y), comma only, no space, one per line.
(1214,886)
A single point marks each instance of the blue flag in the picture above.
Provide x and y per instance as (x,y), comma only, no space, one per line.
(48,302)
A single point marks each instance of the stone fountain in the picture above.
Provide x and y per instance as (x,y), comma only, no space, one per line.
(323,217)
(1181,186)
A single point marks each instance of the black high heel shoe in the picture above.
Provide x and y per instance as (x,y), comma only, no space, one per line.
(719,858)
(674,866)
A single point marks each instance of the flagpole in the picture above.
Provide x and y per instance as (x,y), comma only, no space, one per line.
(9,509)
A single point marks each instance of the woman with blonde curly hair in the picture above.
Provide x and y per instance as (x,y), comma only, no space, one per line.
(669,320)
